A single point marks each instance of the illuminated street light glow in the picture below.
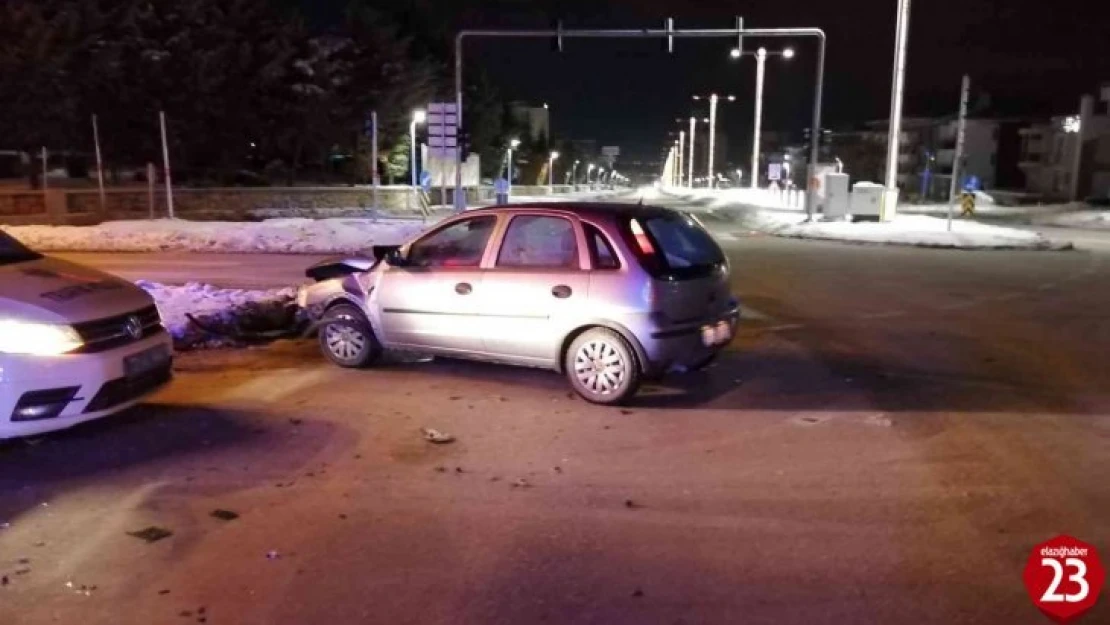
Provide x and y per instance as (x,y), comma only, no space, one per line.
(419,116)
(788,53)
(735,53)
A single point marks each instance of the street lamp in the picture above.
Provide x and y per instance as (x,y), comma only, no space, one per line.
(681,151)
(690,165)
(760,69)
(574,173)
(901,37)
(418,117)
(551,169)
(513,143)
(713,99)
(589,170)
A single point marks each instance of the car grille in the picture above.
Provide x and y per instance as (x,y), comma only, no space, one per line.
(111,332)
(122,390)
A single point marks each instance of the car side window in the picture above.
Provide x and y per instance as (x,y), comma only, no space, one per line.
(602,254)
(461,244)
(539,241)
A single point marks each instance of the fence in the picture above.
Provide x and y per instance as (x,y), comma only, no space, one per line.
(83,206)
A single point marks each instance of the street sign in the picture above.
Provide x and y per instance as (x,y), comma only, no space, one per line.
(774,171)
(443,128)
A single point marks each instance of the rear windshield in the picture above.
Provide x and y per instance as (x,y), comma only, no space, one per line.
(12,251)
(674,245)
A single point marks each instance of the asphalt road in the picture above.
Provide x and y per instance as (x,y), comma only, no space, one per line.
(884,443)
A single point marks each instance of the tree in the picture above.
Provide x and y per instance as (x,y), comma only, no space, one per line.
(35,99)
(398,159)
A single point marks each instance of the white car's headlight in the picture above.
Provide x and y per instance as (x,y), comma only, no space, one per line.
(37,339)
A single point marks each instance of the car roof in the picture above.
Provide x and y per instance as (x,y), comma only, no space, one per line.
(581,209)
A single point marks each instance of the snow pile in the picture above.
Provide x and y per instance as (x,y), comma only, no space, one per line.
(751,208)
(914,230)
(223,316)
(288,236)
(1095,220)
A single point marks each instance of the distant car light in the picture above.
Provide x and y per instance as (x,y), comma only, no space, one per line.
(36,339)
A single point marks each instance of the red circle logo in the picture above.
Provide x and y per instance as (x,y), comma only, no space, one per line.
(1064,578)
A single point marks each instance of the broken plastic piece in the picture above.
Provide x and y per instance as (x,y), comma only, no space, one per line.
(437,437)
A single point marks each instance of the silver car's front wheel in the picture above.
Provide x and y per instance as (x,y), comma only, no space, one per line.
(602,368)
(346,337)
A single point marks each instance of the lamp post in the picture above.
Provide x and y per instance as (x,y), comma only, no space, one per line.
(760,72)
(509,164)
(551,171)
(713,100)
(418,117)
(901,38)
(574,173)
(681,150)
(690,165)
(589,170)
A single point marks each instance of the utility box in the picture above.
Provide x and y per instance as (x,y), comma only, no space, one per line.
(867,199)
(836,195)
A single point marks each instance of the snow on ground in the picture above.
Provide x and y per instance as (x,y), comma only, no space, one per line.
(293,236)
(1095,220)
(337,235)
(914,230)
(904,229)
(228,316)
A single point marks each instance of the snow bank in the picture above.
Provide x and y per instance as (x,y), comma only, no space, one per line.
(288,236)
(752,210)
(228,316)
(1095,220)
(914,230)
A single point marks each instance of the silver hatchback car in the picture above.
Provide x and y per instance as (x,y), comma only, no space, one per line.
(608,294)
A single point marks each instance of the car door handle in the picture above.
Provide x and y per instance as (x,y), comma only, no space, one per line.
(562,291)
(463,288)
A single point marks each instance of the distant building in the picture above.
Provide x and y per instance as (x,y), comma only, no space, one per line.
(927,151)
(1048,153)
(536,120)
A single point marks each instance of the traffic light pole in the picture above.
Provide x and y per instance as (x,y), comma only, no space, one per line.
(668,33)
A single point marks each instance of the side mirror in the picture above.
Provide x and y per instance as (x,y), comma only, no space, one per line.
(390,255)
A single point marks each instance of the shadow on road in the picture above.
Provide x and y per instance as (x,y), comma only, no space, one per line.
(175,444)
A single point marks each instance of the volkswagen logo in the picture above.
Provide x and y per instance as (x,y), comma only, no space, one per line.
(133,327)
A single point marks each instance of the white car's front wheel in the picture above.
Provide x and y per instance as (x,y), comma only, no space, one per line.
(347,339)
(602,367)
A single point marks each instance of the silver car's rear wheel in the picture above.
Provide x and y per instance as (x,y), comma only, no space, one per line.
(601,367)
(346,337)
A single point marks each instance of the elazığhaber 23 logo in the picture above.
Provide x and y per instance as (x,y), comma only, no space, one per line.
(1064,578)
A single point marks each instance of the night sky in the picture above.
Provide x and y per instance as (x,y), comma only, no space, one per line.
(1030,57)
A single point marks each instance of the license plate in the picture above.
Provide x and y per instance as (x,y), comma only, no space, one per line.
(716,334)
(145,361)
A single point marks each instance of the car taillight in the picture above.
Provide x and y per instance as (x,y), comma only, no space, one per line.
(642,240)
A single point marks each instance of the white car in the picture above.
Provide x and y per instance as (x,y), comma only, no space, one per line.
(75,344)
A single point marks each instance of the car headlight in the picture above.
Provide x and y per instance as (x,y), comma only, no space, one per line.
(37,339)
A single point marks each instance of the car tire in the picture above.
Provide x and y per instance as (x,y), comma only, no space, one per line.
(347,339)
(602,368)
